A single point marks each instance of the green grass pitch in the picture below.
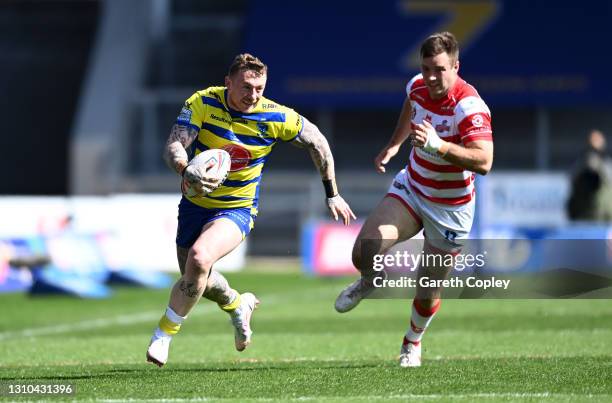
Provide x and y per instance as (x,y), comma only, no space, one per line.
(491,350)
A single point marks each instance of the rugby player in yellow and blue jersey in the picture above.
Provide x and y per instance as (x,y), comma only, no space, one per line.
(238,119)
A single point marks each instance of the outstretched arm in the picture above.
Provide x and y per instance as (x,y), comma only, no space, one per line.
(313,140)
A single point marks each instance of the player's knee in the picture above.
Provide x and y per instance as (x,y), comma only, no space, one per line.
(201,261)
(360,260)
(356,256)
(364,250)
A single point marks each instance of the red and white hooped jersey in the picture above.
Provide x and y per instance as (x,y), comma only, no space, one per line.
(460,117)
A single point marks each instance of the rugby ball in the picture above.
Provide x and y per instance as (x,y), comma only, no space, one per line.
(213,162)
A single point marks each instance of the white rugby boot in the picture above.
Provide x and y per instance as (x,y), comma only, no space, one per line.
(157,353)
(241,320)
(352,295)
(410,355)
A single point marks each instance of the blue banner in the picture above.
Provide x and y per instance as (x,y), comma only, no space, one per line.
(361,54)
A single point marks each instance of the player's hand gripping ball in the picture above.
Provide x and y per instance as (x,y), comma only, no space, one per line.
(205,172)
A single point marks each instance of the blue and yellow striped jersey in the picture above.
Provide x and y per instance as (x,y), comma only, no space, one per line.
(247,137)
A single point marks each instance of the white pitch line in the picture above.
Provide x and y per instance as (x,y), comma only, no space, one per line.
(142,317)
(154,315)
(106,322)
(436,396)
(83,325)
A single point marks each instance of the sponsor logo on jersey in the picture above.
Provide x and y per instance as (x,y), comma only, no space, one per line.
(443,127)
(184,116)
(268,106)
(398,185)
(239,217)
(477,120)
(220,119)
(263,128)
(239,155)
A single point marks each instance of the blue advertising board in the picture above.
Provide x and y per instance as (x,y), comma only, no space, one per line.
(361,54)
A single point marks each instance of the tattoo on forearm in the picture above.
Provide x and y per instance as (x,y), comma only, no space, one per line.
(183,134)
(176,157)
(312,139)
(323,159)
(190,289)
(180,139)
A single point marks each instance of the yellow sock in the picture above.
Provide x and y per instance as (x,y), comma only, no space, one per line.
(169,327)
(232,305)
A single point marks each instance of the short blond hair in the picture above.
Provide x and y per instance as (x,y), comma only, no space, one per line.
(246,61)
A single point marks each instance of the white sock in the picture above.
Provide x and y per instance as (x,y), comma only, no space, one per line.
(419,321)
(158,333)
(174,317)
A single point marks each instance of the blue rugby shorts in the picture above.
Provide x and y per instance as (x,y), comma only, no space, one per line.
(192,218)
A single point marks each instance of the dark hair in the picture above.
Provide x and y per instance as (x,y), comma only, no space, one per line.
(246,61)
(440,42)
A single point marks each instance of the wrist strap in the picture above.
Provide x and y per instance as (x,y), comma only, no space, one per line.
(331,190)
(443,150)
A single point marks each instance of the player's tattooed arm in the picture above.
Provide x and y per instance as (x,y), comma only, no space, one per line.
(315,142)
(175,151)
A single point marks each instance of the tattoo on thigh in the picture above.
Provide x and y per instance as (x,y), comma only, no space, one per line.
(190,289)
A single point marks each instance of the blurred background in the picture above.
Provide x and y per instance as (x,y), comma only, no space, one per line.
(90,90)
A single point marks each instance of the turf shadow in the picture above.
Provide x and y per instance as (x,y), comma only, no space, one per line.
(255,367)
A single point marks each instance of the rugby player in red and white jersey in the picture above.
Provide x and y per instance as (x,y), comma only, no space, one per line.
(449,127)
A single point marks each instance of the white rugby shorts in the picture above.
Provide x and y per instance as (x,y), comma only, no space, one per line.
(445,227)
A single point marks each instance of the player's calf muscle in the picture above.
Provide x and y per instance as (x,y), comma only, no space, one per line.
(430,295)
(218,289)
(190,289)
(365,249)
